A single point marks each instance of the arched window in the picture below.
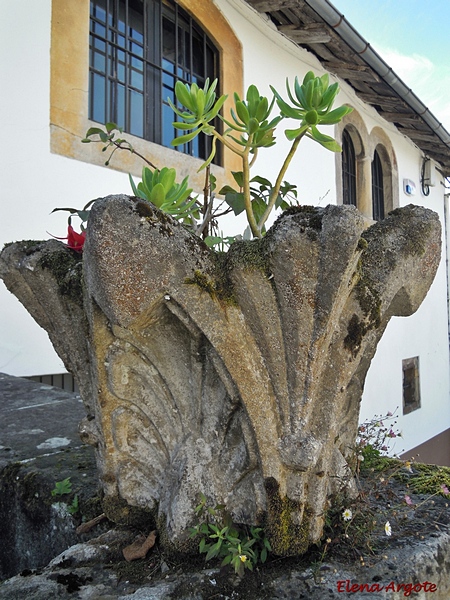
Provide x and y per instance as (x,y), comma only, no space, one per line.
(377,188)
(138,50)
(348,170)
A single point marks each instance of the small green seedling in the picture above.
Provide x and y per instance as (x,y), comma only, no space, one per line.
(62,487)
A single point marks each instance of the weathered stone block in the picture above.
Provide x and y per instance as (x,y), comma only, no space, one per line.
(237,375)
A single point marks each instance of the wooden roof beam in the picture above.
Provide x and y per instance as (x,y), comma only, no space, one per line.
(353,72)
(415,134)
(313,33)
(272,5)
(400,117)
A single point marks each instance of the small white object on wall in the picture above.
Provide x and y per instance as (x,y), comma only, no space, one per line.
(409,187)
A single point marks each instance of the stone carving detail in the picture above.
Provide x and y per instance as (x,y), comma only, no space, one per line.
(237,376)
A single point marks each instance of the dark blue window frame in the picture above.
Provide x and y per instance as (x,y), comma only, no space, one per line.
(138,50)
(348,170)
(377,188)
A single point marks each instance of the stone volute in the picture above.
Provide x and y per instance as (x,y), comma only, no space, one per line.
(239,375)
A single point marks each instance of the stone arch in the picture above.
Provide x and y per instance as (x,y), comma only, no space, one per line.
(359,135)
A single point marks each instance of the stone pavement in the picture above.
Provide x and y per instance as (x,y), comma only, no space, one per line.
(36,419)
(39,446)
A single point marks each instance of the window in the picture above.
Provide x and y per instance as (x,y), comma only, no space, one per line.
(411,385)
(348,170)
(138,50)
(70,57)
(377,188)
(366,169)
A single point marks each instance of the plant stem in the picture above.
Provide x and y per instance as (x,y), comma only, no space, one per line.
(247,199)
(133,151)
(246,177)
(276,188)
(226,143)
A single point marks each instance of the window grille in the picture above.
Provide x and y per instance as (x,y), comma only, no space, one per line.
(377,188)
(138,50)
(348,170)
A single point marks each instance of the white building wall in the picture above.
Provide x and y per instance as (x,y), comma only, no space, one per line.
(33,182)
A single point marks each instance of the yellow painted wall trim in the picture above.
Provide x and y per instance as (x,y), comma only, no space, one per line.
(69,91)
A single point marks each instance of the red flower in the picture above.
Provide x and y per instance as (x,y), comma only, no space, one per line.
(75,241)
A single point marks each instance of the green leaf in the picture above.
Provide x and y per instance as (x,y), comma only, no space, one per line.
(308,77)
(158,195)
(94,131)
(308,90)
(62,487)
(133,185)
(262,110)
(242,112)
(214,550)
(325,80)
(298,89)
(329,96)
(233,126)
(236,202)
(212,240)
(185,138)
(185,126)
(335,116)
(262,181)
(183,95)
(292,113)
(111,126)
(215,110)
(324,140)
(238,176)
(253,125)
(167,178)
(200,105)
(291,134)
(147,181)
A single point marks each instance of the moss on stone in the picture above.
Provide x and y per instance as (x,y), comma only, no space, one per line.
(203,282)
(66,267)
(247,255)
(362,244)
(287,537)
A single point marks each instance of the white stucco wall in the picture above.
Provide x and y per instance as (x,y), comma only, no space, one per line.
(33,182)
